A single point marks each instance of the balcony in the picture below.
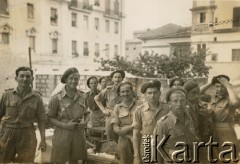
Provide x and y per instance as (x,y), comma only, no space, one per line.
(79,6)
(113,14)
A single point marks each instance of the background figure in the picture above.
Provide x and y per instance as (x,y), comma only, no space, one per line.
(68,114)
(146,116)
(122,122)
(177,123)
(19,108)
(111,97)
(102,83)
(176,82)
(96,117)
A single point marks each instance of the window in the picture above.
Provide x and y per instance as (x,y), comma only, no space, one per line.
(116,27)
(96,24)
(85,49)
(116,50)
(54,16)
(126,48)
(32,42)
(216,20)
(97,3)
(202,17)
(214,57)
(97,53)
(201,47)
(107,49)
(30,11)
(54,46)
(74,20)
(85,20)
(107,5)
(5,38)
(236,17)
(74,3)
(74,49)
(235,54)
(85,4)
(134,48)
(4,7)
(107,26)
(116,7)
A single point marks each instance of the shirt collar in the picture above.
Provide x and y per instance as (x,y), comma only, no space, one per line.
(29,94)
(64,93)
(147,106)
(122,104)
(173,117)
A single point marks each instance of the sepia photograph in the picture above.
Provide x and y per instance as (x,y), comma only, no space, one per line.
(119,81)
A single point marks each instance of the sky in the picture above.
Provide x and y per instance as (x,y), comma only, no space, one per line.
(144,14)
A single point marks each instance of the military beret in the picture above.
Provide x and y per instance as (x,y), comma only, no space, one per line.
(173,90)
(118,71)
(88,80)
(68,72)
(190,84)
(151,84)
(176,79)
(215,78)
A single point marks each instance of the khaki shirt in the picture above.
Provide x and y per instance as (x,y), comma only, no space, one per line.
(223,109)
(179,131)
(111,96)
(64,108)
(90,102)
(145,118)
(15,109)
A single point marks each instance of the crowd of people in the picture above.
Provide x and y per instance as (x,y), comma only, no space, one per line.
(188,115)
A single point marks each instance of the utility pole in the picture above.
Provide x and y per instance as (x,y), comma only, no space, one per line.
(30,57)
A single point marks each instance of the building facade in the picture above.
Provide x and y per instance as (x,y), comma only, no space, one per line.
(166,40)
(60,33)
(216,29)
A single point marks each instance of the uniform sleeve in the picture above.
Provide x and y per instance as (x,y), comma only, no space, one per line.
(53,107)
(115,119)
(102,95)
(137,119)
(41,113)
(2,106)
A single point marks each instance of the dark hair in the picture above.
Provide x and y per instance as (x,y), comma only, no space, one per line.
(118,71)
(123,84)
(101,78)
(176,79)
(23,69)
(88,80)
(215,79)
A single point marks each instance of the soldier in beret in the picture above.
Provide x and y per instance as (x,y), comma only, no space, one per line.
(147,115)
(19,109)
(177,123)
(102,83)
(111,97)
(224,104)
(67,112)
(96,116)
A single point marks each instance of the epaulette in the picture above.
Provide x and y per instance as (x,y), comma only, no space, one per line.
(162,119)
(9,89)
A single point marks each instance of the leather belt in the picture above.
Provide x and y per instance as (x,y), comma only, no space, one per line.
(17,125)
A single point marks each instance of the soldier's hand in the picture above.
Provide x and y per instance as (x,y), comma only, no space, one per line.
(81,125)
(224,82)
(42,146)
(70,125)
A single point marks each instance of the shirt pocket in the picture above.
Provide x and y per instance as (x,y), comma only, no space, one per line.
(177,135)
(124,118)
(11,109)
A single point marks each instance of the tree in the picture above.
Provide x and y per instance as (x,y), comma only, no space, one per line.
(161,66)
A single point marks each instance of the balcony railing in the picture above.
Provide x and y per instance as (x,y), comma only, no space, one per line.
(113,13)
(80,5)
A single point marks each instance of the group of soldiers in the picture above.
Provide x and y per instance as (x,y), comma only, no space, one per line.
(188,115)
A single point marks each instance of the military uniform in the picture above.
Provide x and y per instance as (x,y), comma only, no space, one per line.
(223,119)
(111,97)
(96,117)
(179,131)
(17,133)
(68,144)
(123,116)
